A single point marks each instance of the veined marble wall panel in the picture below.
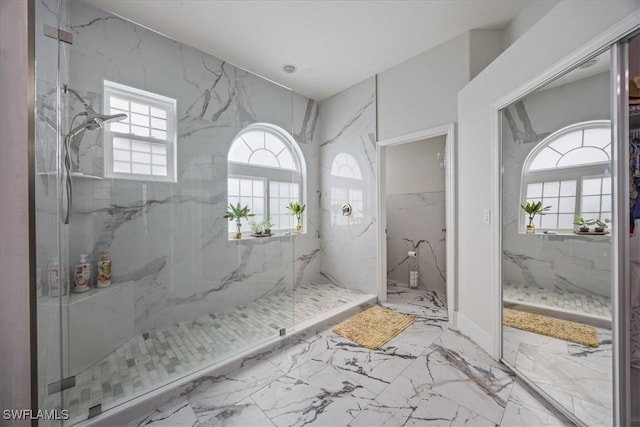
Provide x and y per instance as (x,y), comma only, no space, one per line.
(171,238)
(414,223)
(348,137)
(557,262)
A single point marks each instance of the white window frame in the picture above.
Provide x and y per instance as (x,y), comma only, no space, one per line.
(153,100)
(257,172)
(566,173)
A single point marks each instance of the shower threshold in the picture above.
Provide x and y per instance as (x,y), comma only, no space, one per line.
(157,364)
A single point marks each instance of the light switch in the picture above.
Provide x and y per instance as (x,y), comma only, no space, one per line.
(486,216)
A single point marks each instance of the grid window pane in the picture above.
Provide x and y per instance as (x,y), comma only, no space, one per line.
(568,188)
(143,120)
(534,190)
(551,189)
(565,221)
(567,205)
(549,221)
(591,186)
(124,167)
(159,170)
(241,191)
(121,155)
(142,169)
(591,203)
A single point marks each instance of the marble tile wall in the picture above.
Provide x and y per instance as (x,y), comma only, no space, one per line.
(170,238)
(414,223)
(558,262)
(348,243)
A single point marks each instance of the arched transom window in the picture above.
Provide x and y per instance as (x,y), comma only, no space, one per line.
(570,172)
(266,172)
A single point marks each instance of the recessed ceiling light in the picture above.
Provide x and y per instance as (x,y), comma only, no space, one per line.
(590,63)
(289,69)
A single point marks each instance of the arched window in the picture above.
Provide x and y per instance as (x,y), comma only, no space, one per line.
(266,171)
(570,171)
(346,187)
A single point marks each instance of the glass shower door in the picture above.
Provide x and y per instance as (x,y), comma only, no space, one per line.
(149,164)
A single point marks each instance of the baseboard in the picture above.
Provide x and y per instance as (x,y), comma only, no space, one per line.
(473,331)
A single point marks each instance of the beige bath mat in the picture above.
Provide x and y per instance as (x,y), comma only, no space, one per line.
(548,326)
(374,327)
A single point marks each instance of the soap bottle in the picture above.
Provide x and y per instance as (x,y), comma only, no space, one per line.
(82,275)
(104,270)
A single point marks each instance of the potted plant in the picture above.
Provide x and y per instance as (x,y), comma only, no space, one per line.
(236,213)
(297,209)
(267,224)
(533,209)
(583,224)
(256,227)
(601,225)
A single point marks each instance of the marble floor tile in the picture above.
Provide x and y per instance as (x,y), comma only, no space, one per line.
(577,377)
(214,393)
(174,414)
(524,410)
(429,375)
(243,413)
(291,401)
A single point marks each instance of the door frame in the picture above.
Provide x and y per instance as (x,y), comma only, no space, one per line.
(448,130)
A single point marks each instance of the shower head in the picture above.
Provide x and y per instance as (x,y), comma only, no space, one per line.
(93,119)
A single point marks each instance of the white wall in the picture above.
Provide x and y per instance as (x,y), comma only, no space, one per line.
(415,167)
(564,29)
(420,93)
(15,369)
(531,14)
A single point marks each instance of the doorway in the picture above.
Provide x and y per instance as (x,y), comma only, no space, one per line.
(417,213)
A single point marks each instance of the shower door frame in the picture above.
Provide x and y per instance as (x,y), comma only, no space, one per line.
(612,39)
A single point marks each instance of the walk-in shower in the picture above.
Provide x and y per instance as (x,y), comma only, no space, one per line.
(153,152)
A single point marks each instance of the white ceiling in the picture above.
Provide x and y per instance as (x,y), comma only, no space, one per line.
(334,44)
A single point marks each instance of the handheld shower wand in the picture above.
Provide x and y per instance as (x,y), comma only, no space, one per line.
(93,120)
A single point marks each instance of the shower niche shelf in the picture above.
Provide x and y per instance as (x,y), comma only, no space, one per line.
(73,175)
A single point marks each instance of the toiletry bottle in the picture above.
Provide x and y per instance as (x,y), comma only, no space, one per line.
(82,275)
(104,270)
(53,277)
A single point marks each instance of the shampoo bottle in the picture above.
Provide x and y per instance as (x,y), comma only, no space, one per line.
(82,275)
(104,270)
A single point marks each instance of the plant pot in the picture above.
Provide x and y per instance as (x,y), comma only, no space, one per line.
(298,228)
(599,230)
(239,231)
(531,228)
(584,229)
(267,231)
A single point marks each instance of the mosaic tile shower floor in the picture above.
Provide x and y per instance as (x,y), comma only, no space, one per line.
(157,357)
(580,302)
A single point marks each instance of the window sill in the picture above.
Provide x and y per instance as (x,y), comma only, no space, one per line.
(277,236)
(565,234)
